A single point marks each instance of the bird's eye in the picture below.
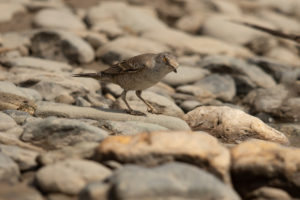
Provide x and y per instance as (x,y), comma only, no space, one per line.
(165,60)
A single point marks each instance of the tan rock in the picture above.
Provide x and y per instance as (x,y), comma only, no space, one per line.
(266,163)
(231,125)
(154,148)
(14,102)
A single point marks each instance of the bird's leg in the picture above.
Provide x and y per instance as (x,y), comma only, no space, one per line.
(130,110)
(150,109)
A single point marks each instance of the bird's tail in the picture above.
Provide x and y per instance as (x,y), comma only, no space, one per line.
(88,75)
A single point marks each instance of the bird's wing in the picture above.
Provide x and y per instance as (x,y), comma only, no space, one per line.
(131,65)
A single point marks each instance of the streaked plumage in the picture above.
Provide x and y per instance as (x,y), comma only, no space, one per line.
(137,73)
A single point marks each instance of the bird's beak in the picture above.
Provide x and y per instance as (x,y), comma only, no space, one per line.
(174,64)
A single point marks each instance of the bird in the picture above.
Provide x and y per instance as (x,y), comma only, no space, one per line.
(137,73)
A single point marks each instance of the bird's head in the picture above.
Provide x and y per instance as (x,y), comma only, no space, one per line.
(169,60)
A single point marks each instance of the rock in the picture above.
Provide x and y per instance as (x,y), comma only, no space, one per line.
(169,181)
(232,32)
(38,5)
(95,39)
(292,131)
(189,105)
(124,17)
(159,147)
(62,110)
(60,196)
(222,86)
(14,102)
(8,9)
(190,23)
(257,163)
(195,44)
(70,176)
(55,133)
(291,109)
(13,40)
(82,102)
(284,55)
(161,103)
(132,127)
(9,126)
(268,193)
(20,117)
(267,100)
(234,66)
(9,170)
(36,64)
(26,159)
(8,87)
(128,46)
(231,125)
(61,46)
(281,21)
(82,150)
(185,75)
(19,192)
(281,72)
(198,92)
(55,18)
(7,139)
(53,85)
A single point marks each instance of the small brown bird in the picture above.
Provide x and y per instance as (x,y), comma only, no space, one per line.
(137,73)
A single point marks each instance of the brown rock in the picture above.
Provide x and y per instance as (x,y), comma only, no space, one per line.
(259,163)
(158,147)
(14,102)
(231,125)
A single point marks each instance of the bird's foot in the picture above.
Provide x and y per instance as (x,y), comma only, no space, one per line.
(135,112)
(154,111)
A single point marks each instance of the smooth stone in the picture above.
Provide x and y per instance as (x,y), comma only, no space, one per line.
(70,176)
(185,75)
(222,86)
(233,66)
(197,92)
(231,125)
(81,150)
(19,192)
(61,46)
(20,117)
(9,170)
(133,127)
(158,147)
(268,193)
(10,101)
(37,64)
(234,33)
(76,112)
(159,102)
(169,181)
(195,44)
(280,71)
(26,159)
(9,126)
(125,17)
(189,105)
(8,10)
(55,18)
(267,100)
(55,133)
(15,40)
(11,88)
(258,163)
(52,86)
(7,139)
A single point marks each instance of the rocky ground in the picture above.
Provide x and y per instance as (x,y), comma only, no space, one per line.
(230,124)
